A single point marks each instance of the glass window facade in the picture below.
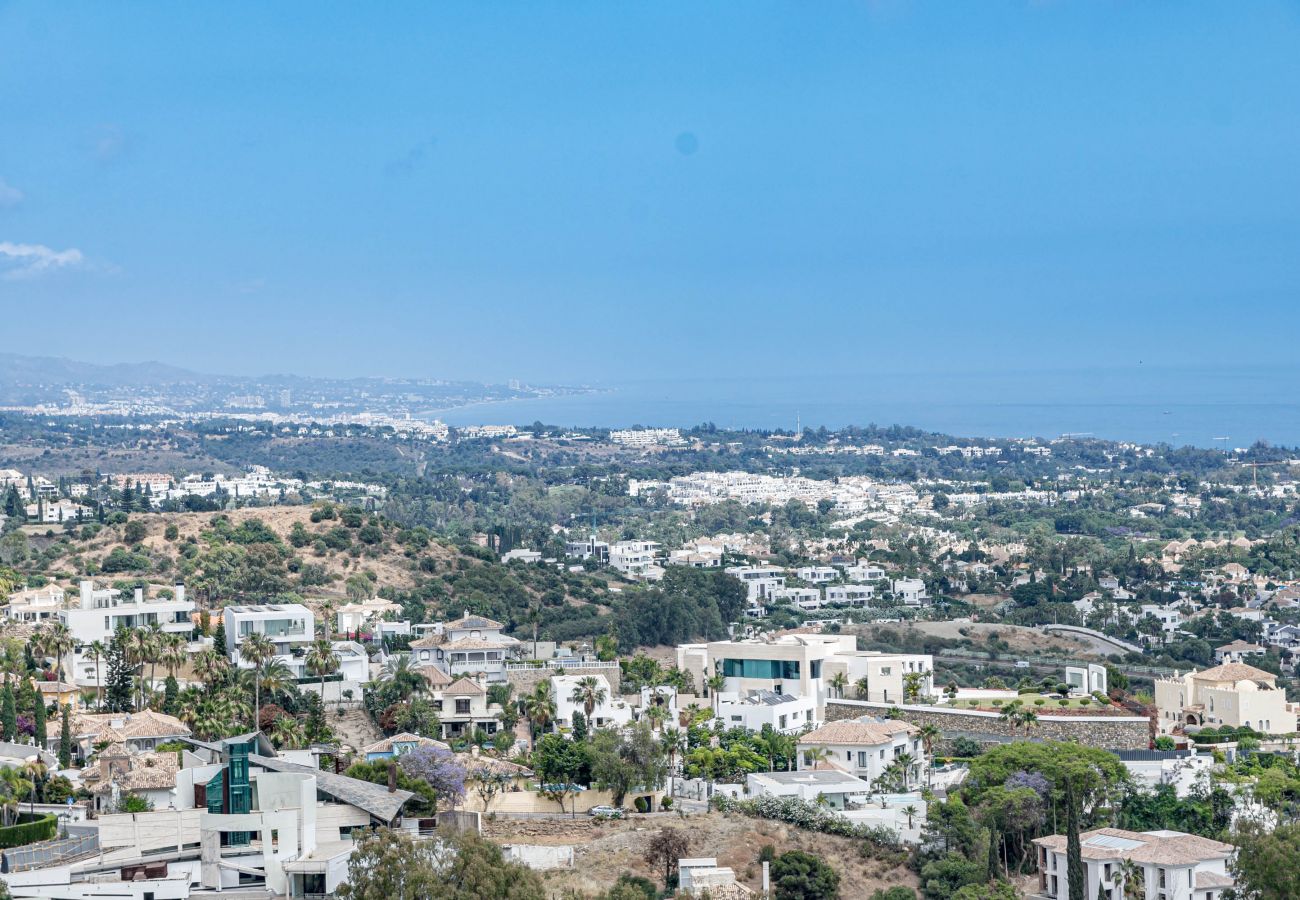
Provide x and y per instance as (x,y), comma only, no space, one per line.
(771,669)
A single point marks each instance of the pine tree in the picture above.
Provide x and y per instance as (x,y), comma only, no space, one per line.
(219,640)
(117,695)
(65,741)
(579,726)
(38,721)
(170,691)
(8,714)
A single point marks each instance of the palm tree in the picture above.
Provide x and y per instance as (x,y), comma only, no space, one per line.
(95,652)
(276,679)
(815,756)
(157,643)
(910,811)
(173,653)
(1134,879)
(539,707)
(589,693)
(839,681)
(929,734)
(912,682)
(321,661)
(1028,719)
(401,673)
(862,686)
(287,733)
(35,772)
(715,683)
(672,741)
(59,641)
(906,763)
(1010,714)
(210,666)
(656,715)
(256,649)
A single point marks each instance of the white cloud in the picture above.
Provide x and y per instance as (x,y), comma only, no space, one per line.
(9,195)
(19,261)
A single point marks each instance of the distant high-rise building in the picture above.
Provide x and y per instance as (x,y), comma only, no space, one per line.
(514,384)
(286,398)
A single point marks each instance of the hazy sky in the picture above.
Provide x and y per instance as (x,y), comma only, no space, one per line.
(593,191)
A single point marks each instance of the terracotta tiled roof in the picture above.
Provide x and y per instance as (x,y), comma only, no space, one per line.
(1170,848)
(405,737)
(1235,672)
(476,644)
(148,772)
(146,724)
(471,622)
(463,686)
(492,764)
(864,731)
(435,676)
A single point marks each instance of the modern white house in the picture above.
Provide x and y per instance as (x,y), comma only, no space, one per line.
(1175,866)
(633,558)
(785,713)
(611,711)
(887,674)
(790,664)
(866,746)
(98,613)
(830,787)
(850,594)
(805,598)
(760,581)
(910,591)
(864,572)
(817,574)
(288,626)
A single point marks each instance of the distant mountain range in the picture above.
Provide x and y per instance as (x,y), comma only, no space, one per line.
(16,368)
(46,380)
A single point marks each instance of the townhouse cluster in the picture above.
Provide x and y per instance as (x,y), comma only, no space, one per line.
(810,588)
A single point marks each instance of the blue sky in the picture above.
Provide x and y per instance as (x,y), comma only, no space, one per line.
(594,191)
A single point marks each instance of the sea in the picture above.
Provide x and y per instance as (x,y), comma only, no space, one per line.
(1225,407)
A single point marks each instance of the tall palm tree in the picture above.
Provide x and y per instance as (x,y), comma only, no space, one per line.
(173,653)
(539,707)
(906,763)
(715,683)
(157,643)
(672,741)
(256,649)
(589,693)
(139,650)
(838,682)
(321,661)
(35,772)
(95,652)
(910,811)
(656,715)
(59,642)
(930,735)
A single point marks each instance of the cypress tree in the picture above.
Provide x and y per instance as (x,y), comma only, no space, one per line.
(1074,872)
(8,714)
(219,640)
(65,741)
(579,726)
(38,721)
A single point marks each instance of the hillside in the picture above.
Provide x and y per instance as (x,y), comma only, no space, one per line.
(258,555)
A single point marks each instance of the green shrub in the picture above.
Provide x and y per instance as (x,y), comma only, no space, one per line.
(665,802)
(1062,702)
(29,830)
(1039,702)
(766,853)
(641,804)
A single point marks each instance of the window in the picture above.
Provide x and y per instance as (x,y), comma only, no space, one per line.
(771,669)
(462,707)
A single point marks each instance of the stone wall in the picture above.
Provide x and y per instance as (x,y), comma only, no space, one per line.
(1110,732)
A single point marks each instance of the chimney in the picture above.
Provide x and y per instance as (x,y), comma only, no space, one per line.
(179,592)
(87,589)
(392,777)
(139,595)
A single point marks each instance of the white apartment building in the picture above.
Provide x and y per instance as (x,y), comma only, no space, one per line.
(851,594)
(910,591)
(1175,866)
(288,626)
(646,437)
(817,574)
(100,612)
(866,746)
